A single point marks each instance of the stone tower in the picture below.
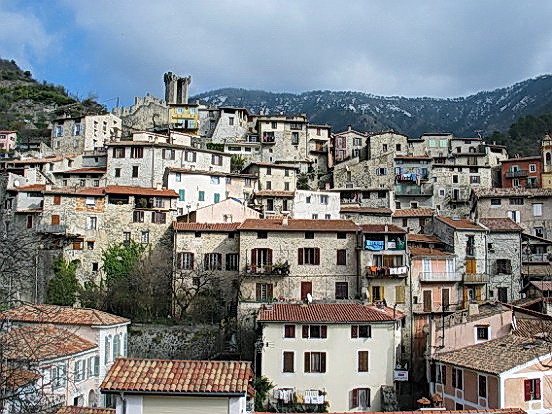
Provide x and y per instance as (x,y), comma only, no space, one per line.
(546,153)
(176,88)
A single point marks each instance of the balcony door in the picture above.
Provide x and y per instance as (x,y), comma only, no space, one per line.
(306,288)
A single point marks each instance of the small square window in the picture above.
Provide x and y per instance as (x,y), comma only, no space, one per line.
(262,235)
(309,235)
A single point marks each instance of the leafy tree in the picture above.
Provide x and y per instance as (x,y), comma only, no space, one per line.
(120,259)
(63,287)
(303,181)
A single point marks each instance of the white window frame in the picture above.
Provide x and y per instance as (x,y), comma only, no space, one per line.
(537,209)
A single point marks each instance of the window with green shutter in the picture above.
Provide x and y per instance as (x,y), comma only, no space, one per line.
(182,195)
(202,196)
(217,197)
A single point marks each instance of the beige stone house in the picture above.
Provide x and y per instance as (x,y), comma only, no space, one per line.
(414,220)
(366,215)
(286,259)
(150,386)
(334,356)
(349,144)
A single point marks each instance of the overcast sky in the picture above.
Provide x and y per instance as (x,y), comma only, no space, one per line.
(434,48)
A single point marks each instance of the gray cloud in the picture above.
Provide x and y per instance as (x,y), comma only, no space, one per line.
(432,48)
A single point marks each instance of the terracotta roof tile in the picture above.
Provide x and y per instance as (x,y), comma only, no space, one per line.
(496,356)
(62,315)
(532,158)
(71,409)
(423,238)
(273,193)
(178,376)
(428,252)
(542,284)
(85,191)
(366,210)
(40,342)
(460,224)
(414,212)
(16,377)
(298,225)
(119,189)
(327,312)
(500,224)
(83,171)
(214,227)
(540,269)
(33,187)
(512,192)
(381,228)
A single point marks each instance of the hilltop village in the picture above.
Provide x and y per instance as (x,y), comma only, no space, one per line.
(375,271)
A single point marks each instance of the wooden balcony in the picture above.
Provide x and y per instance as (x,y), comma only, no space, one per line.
(440,277)
(476,278)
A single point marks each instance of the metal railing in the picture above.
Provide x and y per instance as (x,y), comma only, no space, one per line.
(52,228)
(517,174)
(440,277)
(476,278)
(413,190)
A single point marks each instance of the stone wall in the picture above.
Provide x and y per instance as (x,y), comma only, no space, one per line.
(144,114)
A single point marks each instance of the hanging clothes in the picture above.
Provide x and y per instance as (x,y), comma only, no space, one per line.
(375,245)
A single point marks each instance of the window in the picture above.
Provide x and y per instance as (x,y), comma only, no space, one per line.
(232,261)
(315,216)
(181,195)
(384,147)
(216,159)
(532,389)
(169,154)
(538,231)
(341,290)
(503,294)
(178,177)
(537,209)
(315,362)
(514,215)
(457,378)
(269,185)
(515,182)
(341,257)
(212,261)
(138,216)
(216,197)
(295,138)
(90,245)
(532,168)
(138,152)
(184,261)
(117,172)
(126,237)
(96,183)
(145,237)
(107,349)
(288,362)
(57,200)
(134,171)
(308,200)
(474,179)
(78,370)
(496,201)
(356,142)
(268,171)
(398,147)
(315,331)
(504,266)
(405,222)
(360,398)
(361,331)
(328,216)
(116,346)
(286,186)
(95,267)
(362,361)
(455,179)
(482,333)
(377,293)
(482,386)
(262,235)
(309,235)
(399,294)
(78,244)
(308,256)
(55,219)
(285,206)
(190,156)
(516,201)
(289,331)
(341,235)
(323,199)
(230,120)
(381,171)
(91,223)
(158,217)
(264,292)
(119,152)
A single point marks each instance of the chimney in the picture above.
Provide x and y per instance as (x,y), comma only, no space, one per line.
(285,219)
(349,127)
(473,309)
(386,228)
(48,187)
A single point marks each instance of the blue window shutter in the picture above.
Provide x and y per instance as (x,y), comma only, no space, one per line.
(217,197)
(182,195)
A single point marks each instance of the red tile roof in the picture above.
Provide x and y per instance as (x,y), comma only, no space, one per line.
(366,210)
(427,252)
(460,224)
(216,173)
(414,212)
(83,171)
(119,189)
(178,376)
(500,224)
(33,187)
(423,238)
(71,409)
(542,284)
(381,228)
(327,312)
(214,227)
(273,193)
(40,342)
(298,225)
(436,411)
(62,315)
(85,191)
(15,378)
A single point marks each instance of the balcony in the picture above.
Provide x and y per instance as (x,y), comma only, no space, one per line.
(517,174)
(268,139)
(277,269)
(535,257)
(380,245)
(476,278)
(52,228)
(440,277)
(319,148)
(386,272)
(413,190)
(435,308)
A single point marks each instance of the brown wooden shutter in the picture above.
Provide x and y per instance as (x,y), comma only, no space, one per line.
(399,294)
(323,331)
(322,362)
(57,199)
(537,388)
(258,292)
(253,260)
(300,256)
(269,260)
(527,389)
(354,331)
(191,260)
(270,291)
(55,219)
(307,360)
(354,398)
(317,256)
(445,298)
(305,329)
(427,300)
(362,361)
(478,293)
(288,362)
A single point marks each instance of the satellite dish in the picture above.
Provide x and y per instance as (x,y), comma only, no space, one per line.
(309,298)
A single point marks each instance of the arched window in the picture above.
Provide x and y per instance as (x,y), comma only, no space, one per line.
(107,349)
(116,347)
(548,158)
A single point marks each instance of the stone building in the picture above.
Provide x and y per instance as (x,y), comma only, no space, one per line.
(414,220)
(546,153)
(504,251)
(285,259)
(315,205)
(232,125)
(413,182)
(176,88)
(230,210)
(283,138)
(349,144)
(75,135)
(8,140)
(530,208)
(146,113)
(366,215)
(525,172)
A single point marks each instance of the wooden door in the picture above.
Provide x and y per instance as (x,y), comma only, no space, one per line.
(471,266)
(427,300)
(55,219)
(445,300)
(306,287)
